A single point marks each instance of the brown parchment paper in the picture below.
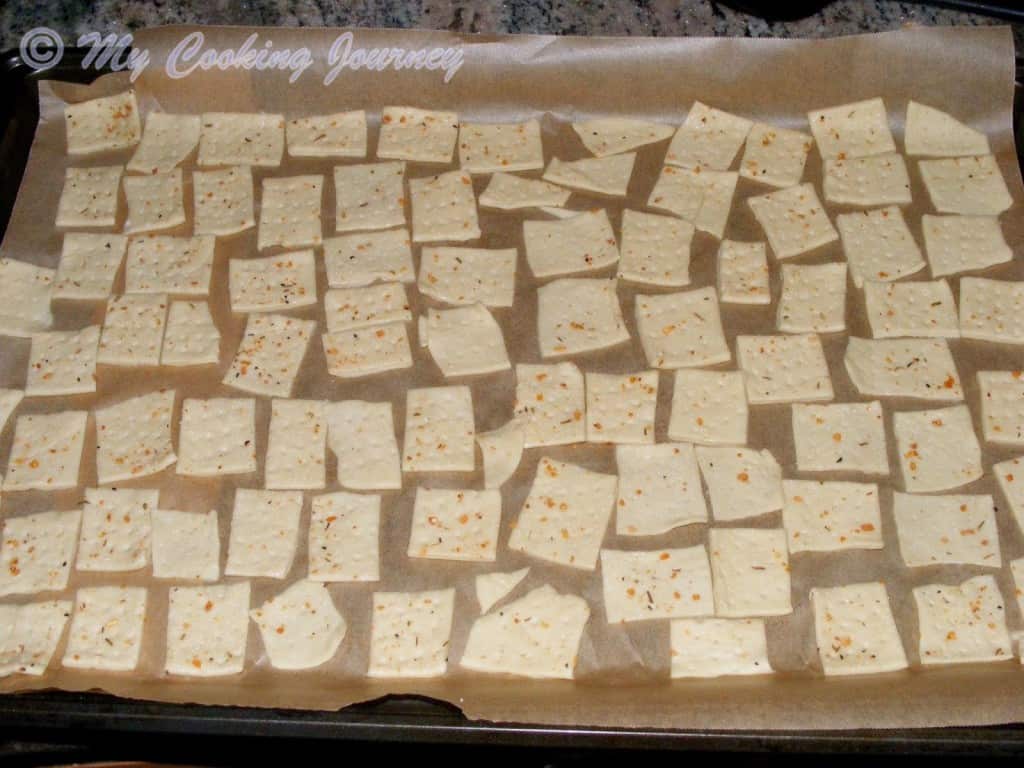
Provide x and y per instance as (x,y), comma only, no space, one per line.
(623,670)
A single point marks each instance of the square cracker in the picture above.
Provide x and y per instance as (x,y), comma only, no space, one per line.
(565,516)
(922,368)
(656,584)
(29,635)
(264,533)
(600,175)
(106,629)
(217,437)
(621,408)
(579,315)
(344,537)
(655,249)
(104,124)
(924,309)
(489,147)
(439,430)
(154,202)
(743,273)
(946,530)
(25,292)
(858,129)
(709,138)
(455,525)
(420,135)
(855,630)
(290,212)
(742,482)
(938,449)
(190,338)
(875,180)
(270,354)
(963,243)
(443,208)
(466,341)
(813,298)
(967,185)
(784,369)
(207,629)
(410,633)
(718,647)
(186,545)
(697,195)
(878,245)
(751,572)
(840,437)
(931,132)
(775,156)
(709,407)
(88,265)
(174,265)
(659,489)
(296,445)
(301,627)
(825,516)
(367,351)
(133,330)
(1010,476)
(347,308)
(223,201)
(1002,406)
(550,401)
(507,192)
(89,197)
(605,136)
(166,142)
(582,243)
(365,258)
(369,196)
(46,452)
(793,220)
(361,435)
(116,529)
(340,134)
(992,310)
(237,138)
(536,636)
(62,362)
(274,283)
(133,437)
(469,275)
(37,552)
(962,623)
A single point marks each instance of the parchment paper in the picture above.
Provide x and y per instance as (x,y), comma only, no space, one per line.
(623,670)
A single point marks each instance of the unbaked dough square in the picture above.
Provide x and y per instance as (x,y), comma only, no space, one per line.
(582,243)
(154,202)
(222,201)
(365,258)
(709,138)
(88,265)
(962,623)
(550,401)
(133,437)
(831,515)
(452,524)
(938,449)
(62,362)
(855,630)
(857,129)
(439,430)
(237,138)
(946,530)
(490,147)
(102,125)
(217,437)
(296,445)
(443,208)
(743,273)
(878,245)
(921,368)
(270,354)
(577,315)
(784,369)
(840,437)
(659,489)
(992,310)
(25,292)
(742,482)
(681,330)
(207,629)
(133,330)
(775,156)
(116,529)
(967,185)
(37,552)
(272,284)
(656,584)
(264,533)
(813,298)
(793,220)
(924,309)
(344,537)
(169,265)
(410,633)
(369,196)
(290,212)
(420,135)
(750,567)
(46,452)
(90,197)
(709,407)
(621,407)
(655,249)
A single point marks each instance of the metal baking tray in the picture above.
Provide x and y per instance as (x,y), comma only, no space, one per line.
(151,728)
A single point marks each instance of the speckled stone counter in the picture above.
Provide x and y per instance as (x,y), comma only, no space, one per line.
(577,17)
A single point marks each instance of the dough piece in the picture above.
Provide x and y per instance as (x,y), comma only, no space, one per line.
(582,243)
(659,489)
(301,627)
(681,330)
(855,630)
(133,330)
(501,450)
(992,310)
(577,315)
(443,208)
(223,201)
(709,407)
(176,265)
(718,647)
(362,259)
(564,518)
(88,265)
(296,445)
(361,436)
(858,129)
(934,133)
(490,147)
(493,587)
(190,338)
(967,185)
(506,192)
(1010,475)
(963,243)
(962,623)
(154,202)
(116,529)
(273,284)
(605,136)
(697,195)
(878,245)
(369,196)
(340,134)
(938,448)
(29,635)
(106,629)
(827,516)
(186,545)
(90,197)
(657,584)
(466,341)
(133,437)
(793,220)
(946,530)
(46,452)
(751,572)
(924,309)
(784,369)
(410,632)
(600,175)
(550,401)
(1002,406)
(367,351)
(237,138)
(37,552)
(166,142)
(922,368)
(742,482)
(290,212)
(875,180)
(813,298)
(344,537)
(709,138)
(743,273)
(420,135)
(455,525)
(775,156)
(655,249)
(62,362)
(464,276)
(24,298)
(840,437)
(102,125)
(217,437)
(270,354)
(621,408)
(207,629)
(439,430)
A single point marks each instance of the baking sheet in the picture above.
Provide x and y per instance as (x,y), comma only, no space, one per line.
(623,670)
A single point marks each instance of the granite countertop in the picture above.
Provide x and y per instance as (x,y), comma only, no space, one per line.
(581,17)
